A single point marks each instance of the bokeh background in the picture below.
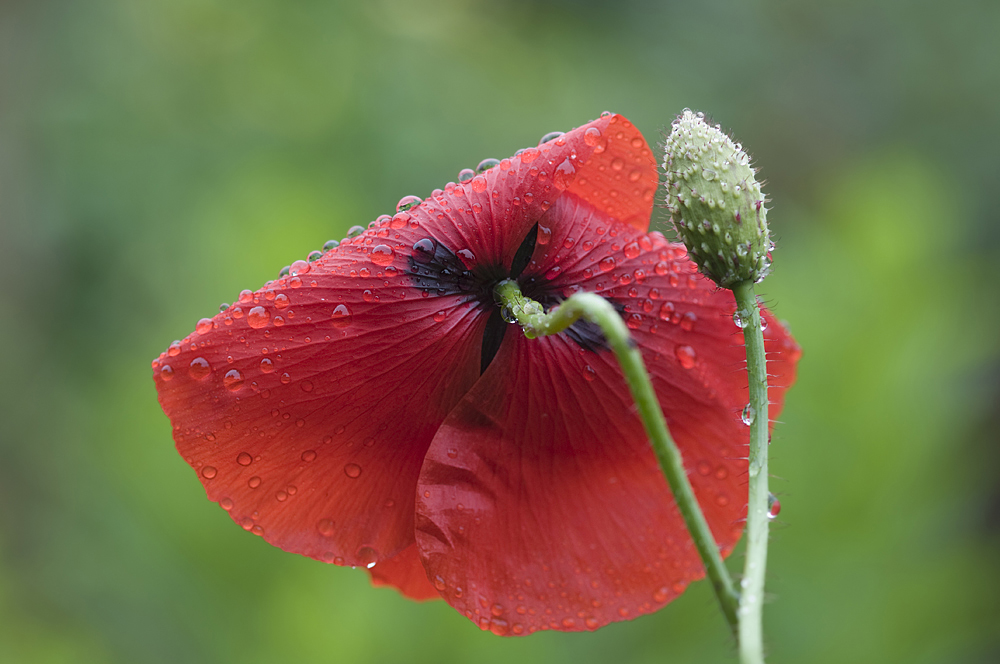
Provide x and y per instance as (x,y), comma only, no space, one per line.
(157,156)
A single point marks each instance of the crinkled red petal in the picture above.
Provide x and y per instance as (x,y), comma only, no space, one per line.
(406,573)
(541,504)
(606,163)
(306,407)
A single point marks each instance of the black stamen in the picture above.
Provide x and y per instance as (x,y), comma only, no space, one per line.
(523,254)
(496,327)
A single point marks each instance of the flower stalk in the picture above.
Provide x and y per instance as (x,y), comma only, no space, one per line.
(592,307)
(751,643)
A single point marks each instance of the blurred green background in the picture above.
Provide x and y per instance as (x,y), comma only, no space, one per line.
(157,156)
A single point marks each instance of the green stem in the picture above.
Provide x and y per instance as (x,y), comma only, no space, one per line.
(596,309)
(751,642)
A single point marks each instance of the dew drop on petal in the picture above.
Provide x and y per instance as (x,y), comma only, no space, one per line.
(233,380)
(479,184)
(352,470)
(199,368)
(299,268)
(341,316)
(632,250)
(367,556)
(466,174)
(686,356)
(408,202)
(607,264)
(423,250)
(325,527)
(226,504)
(544,235)
(244,459)
(308,455)
(592,136)
(204,326)
(253,482)
(258,317)
(688,321)
(246,296)
(382,255)
(209,472)
(487,164)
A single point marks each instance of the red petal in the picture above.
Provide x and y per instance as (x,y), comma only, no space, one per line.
(606,163)
(406,573)
(308,407)
(541,504)
(620,177)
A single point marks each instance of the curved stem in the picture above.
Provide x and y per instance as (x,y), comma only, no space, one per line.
(596,309)
(751,642)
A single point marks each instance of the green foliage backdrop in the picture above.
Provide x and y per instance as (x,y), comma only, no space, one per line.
(157,156)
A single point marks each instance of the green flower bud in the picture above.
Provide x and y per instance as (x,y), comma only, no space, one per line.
(715,203)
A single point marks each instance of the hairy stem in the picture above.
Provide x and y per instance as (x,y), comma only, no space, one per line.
(594,308)
(751,642)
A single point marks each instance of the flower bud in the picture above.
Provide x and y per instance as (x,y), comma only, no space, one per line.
(715,203)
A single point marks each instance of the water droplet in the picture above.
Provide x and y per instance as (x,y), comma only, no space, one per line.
(341,316)
(408,203)
(738,319)
(440,316)
(686,356)
(330,244)
(592,136)
(688,321)
(308,455)
(367,556)
(285,379)
(632,250)
(634,321)
(166,372)
(423,250)
(244,459)
(466,174)
(529,155)
(352,470)
(233,380)
(589,374)
(487,164)
(773,506)
(226,504)
(763,323)
(666,311)
(258,317)
(209,472)
(253,482)
(382,255)
(607,264)
(551,136)
(479,184)
(748,415)
(617,163)
(325,527)
(246,296)
(199,368)
(355,231)
(204,326)
(298,268)
(306,386)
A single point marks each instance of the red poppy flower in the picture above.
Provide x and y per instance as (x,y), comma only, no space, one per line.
(373,408)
